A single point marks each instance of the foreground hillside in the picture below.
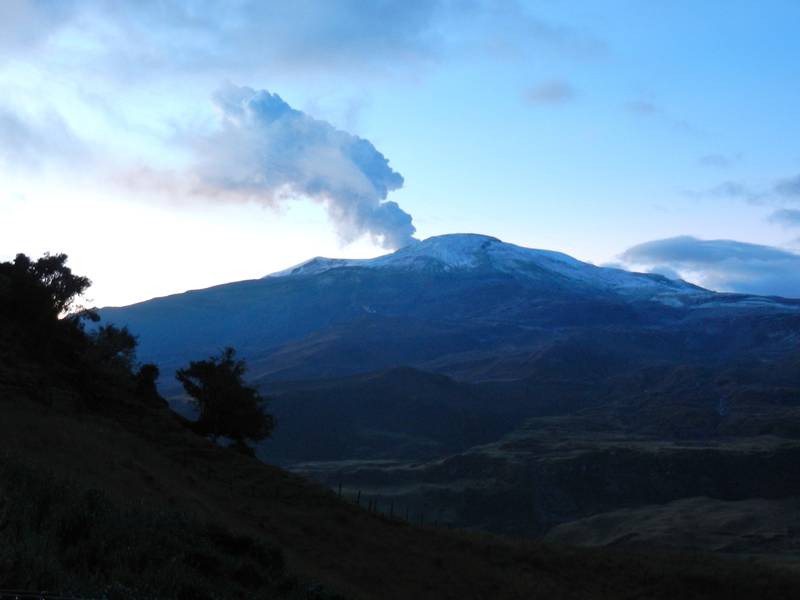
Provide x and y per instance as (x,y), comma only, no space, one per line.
(224,507)
(104,491)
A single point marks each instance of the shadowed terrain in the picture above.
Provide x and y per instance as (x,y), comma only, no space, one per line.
(483,385)
(146,463)
(105,491)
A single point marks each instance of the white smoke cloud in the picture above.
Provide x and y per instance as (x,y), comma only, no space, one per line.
(269,152)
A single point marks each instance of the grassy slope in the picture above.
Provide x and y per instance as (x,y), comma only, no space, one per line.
(143,458)
(758,525)
(58,536)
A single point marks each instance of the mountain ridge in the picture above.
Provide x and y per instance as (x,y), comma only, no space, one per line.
(444,304)
(471,251)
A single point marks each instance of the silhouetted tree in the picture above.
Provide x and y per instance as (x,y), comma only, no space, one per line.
(42,288)
(33,297)
(146,389)
(226,405)
(146,378)
(41,323)
(114,346)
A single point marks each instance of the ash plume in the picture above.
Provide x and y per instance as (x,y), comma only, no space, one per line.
(271,153)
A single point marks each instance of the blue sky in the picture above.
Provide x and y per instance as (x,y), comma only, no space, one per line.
(597,128)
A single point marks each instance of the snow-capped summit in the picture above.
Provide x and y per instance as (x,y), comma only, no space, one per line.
(470,251)
(452,251)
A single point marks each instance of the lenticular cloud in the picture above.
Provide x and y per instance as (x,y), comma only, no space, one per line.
(269,152)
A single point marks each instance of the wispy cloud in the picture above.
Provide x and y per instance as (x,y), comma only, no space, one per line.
(25,24)
(650,110)
(719,161)
(788,188)
(509,29)
(33,141)
(134,39)
(553,92)
(151,37)
(781,191)
(643,107)
(786,216)
(735,189)
(724,265)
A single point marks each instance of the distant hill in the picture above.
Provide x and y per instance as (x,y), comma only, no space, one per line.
(400,413)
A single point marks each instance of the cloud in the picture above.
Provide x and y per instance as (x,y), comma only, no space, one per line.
(786,189)
(550,93)
(31,141)
(789,188)
(149,36)
(735,189)
(508,29)
(718,161)
(302,35)
(650,110)
(665,271)
(269,152)
(147,61)
(96,51)
(642,107)
(786,216)
(134,39)
(25,24)
(723,265)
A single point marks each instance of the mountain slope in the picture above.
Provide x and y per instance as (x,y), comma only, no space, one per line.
(473,252)
(400,413)
(448,304)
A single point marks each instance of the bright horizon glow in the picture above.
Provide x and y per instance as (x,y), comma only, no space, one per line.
(589,129)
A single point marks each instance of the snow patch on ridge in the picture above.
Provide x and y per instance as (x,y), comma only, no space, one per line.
(469,251)
(318,264)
